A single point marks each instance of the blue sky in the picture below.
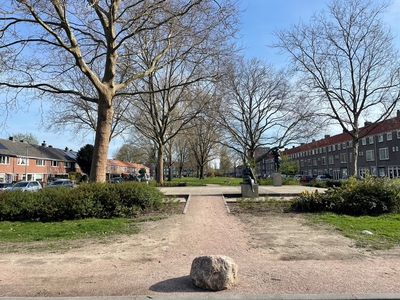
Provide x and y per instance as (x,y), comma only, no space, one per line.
(259,20)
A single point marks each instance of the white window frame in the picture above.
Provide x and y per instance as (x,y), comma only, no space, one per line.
(371,140)
(380,138)
(23,161)
(40,162)
(343,158)
(363,141)
(384,153)
(389,136)
(4,160)
(54,163)
(369,155)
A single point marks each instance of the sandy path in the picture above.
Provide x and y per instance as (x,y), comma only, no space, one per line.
(276,255)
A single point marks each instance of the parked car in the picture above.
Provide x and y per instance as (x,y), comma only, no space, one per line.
(307,178)
(5,186)
(62,183)
(116,180)
(321,178)
(31,186)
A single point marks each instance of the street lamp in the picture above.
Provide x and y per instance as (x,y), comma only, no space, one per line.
(26,164)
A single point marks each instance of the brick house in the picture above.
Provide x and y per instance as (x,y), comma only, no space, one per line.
(122,168)
(22,161)
(378,153)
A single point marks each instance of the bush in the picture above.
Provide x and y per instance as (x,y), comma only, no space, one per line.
(99,200)
(372,196)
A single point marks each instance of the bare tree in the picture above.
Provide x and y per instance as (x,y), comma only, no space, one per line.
(347,61)
(131,153)
(204,137)
(260,110)
(47,46)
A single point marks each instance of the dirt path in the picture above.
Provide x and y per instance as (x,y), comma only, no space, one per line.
(276,254)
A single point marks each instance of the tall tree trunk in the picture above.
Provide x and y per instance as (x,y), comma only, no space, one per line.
(355,156)
(102,140)
(201,172)
(160,164)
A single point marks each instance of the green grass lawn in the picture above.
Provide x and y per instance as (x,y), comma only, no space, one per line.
(385,229)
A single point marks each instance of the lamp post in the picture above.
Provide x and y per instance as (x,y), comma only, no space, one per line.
(26,165)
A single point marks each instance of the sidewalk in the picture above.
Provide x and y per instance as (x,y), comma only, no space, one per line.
(229,191)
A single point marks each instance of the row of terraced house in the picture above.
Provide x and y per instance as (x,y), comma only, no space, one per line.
(378,153)
(23,161)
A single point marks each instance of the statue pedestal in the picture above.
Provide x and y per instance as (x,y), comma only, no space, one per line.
(246,190)
(277,179)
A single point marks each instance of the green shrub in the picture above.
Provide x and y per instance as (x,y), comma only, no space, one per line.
(99,200)
(372,196)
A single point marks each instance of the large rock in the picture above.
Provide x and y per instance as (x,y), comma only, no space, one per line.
(214,272)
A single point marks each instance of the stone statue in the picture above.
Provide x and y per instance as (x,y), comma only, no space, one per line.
(277,159)
(248,176)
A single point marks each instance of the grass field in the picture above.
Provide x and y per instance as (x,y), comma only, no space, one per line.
(385,229)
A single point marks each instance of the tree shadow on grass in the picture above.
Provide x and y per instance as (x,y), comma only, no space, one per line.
(176,285)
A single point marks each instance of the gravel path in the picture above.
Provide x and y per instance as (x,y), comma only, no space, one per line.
(158,259)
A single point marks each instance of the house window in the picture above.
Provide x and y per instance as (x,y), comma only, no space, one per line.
(54,163)
(324,150)
(371,140)
(383,153)
(380,138)
(40,162)
(301,163)
(338,146)
(344,146)
(369,155)
(363,141)
(323,160)
(389,136)
(398,135)
(333,147)
(4,160)
(67,164)
(23,161)
(343,158)
(329,148)
(314,162)
(330,159)
(309,162)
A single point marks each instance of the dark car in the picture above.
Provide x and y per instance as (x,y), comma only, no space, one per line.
(307,178)
(117,180)
(5,186)
(62,183)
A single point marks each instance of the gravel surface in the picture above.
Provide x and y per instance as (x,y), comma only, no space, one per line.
(276,254)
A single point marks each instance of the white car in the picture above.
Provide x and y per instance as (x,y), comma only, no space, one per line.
(31,186)
(321,178)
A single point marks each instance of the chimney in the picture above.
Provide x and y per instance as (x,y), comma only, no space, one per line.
(50,146)
(313,140)
(66,149)
(44,144)
(366,124)
(21,141)
(11,138)
(327,136)
(398,114)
